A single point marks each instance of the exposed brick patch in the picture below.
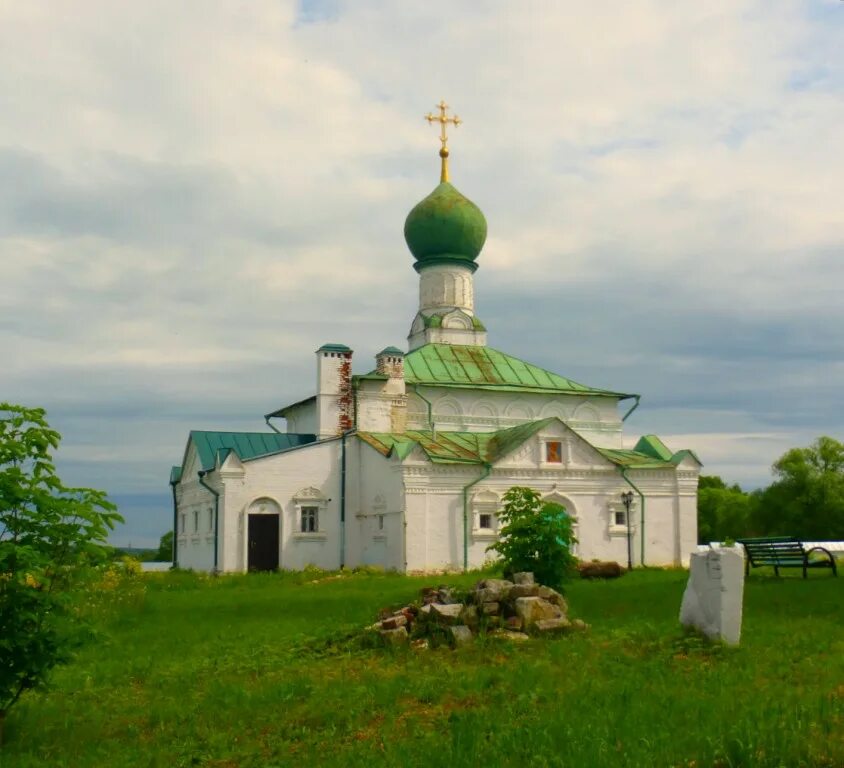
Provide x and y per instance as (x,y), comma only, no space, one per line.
(345,401)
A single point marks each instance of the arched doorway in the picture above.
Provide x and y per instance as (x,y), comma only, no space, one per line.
(566,503)
(263,535)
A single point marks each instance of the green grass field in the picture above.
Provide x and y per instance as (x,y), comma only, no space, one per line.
(260,671)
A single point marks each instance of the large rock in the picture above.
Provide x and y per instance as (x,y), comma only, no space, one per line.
(469,615)
(712,602)
(523,590)
(446,614)
(490,609)
(492,590)
(524,578)
(554,597)
(507,634)
(533,609)
(460,634)
(560,624)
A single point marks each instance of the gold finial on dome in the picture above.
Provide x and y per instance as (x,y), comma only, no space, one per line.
(443,121)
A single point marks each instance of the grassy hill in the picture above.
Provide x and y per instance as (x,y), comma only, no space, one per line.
(261,671)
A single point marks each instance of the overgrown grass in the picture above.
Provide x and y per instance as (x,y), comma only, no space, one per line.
(261,671)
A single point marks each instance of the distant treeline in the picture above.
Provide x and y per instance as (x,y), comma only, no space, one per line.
(164,553)
(805,500)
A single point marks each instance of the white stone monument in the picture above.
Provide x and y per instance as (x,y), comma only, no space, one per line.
(713,598)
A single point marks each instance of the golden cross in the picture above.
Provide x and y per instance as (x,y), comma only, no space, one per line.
(443,121)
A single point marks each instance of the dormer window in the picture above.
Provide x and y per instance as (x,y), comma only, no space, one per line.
(554,452)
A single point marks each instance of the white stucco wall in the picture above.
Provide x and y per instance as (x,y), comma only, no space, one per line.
(587,485)
(302,419)
(375,495)
(280,479)
(194,536)
(596,418)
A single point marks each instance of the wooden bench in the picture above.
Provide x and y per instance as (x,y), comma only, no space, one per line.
(784,552)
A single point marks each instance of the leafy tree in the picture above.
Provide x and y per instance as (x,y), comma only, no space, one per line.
(724,512)
(49,534)
(535,536)
(806,498)
(165,549)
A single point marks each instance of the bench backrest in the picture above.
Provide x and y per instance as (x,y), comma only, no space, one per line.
(773,549)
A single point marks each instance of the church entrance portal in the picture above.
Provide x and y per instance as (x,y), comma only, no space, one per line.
(263,543)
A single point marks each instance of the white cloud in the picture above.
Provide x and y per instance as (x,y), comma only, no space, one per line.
(194,196)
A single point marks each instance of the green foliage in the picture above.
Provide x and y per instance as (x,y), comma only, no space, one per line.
(723,512)
(49,534)
(165,549)
(807,496)
(535,536)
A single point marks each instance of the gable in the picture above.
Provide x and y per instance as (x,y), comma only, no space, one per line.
(526,444)
(191,466)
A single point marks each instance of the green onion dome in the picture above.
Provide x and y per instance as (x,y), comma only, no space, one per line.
(445,228)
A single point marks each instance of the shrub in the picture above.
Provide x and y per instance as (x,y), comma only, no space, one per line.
(49,535)
(535,536)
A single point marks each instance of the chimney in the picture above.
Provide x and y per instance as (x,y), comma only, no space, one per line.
(335,404)
(390,362)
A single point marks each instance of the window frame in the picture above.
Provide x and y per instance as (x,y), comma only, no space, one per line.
(309,519)
(310,499)
(559,452)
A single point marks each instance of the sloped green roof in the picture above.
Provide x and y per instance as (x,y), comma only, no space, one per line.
(489,447)
(454,365)
(651,445)
(633,459)
(247,445)
(455,447)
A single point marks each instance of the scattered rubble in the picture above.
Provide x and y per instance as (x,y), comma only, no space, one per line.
(511,610)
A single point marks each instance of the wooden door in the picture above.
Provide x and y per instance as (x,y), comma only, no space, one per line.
(263,542)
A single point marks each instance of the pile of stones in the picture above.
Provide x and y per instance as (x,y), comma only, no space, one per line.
(513,610)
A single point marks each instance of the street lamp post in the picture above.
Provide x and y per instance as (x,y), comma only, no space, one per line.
(627,500)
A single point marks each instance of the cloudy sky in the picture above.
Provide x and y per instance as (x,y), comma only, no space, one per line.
(196,195)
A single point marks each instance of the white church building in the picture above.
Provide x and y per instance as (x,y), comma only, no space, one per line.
(405,466)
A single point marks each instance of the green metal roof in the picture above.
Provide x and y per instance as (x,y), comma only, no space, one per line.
(652,446)
(489,447)
(454,365)
(455,447)
(334,348)
(284,409)
(633,459)
(247,445)
(395,351)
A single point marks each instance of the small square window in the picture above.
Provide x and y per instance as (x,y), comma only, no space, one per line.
(485,520)
(310,519)
(620,517)
(554,452)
